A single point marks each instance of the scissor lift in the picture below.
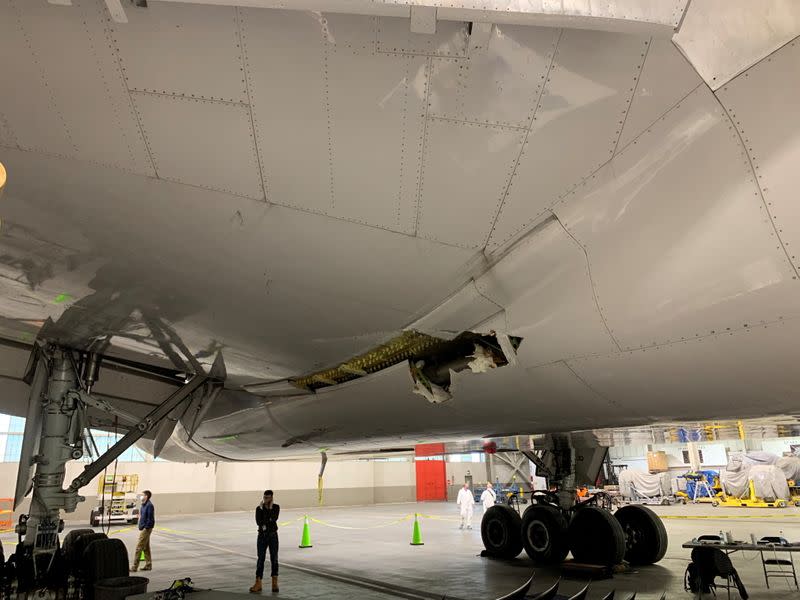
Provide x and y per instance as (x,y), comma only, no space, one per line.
(116,500)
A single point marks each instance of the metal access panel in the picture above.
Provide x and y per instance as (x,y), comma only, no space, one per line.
(185,49)
(375,101)
(201,142)
(395,36)
(466,170)
(475,89)
(576,124)
(290,112)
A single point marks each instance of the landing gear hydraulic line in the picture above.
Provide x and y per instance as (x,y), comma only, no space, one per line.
(55,432)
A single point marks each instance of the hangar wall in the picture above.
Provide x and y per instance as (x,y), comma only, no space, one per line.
(187,488)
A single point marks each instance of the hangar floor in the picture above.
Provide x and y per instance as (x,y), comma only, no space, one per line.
(364,552)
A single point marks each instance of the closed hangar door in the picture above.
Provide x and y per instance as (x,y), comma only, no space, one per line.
(431,475)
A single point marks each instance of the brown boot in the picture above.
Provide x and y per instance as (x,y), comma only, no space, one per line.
(275,584)
(256,586)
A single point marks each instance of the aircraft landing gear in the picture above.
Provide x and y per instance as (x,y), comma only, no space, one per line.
(554,525)
(592,533)
(55,428)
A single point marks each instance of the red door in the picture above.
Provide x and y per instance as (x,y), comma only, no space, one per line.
(431,474)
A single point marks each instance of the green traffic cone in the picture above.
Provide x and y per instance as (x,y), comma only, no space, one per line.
(305,542)
(416,537)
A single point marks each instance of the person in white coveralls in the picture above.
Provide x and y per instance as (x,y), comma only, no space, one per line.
(466,501)
(488,498)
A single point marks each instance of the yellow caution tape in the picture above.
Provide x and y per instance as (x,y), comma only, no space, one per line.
(389,523)
(438,518)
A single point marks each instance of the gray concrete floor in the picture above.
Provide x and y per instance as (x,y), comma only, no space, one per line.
(365,552)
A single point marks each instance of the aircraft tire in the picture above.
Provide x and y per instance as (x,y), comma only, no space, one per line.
(646,538)
(544,534)
(105,559)
(596,537)
(501,532)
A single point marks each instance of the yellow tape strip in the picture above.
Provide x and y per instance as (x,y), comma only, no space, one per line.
(123,530)
(437,518)
(395,522)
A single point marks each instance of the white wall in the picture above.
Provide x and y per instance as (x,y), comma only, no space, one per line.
(205,487)
(779,446)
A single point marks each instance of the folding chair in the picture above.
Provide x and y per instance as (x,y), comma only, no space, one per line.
(779,568)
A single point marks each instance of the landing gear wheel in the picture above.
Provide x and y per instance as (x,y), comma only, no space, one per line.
(501,532)
(645,536)
(544,534)
(596,537)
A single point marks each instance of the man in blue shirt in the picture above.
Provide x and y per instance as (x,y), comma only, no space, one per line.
(147,520)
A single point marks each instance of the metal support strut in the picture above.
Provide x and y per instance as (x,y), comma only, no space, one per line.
(54,434)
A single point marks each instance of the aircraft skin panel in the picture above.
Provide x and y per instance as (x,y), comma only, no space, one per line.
(221,270)
(55,107)
(466,170)
(752,101)
(545,286)
(579,115)
(581,189)
(501,82)
(394,36)
(189,154)
(387,113)
(288,104)
(706,257)
(31,114)
(722,38)
(194,53)
(750,369)
(665,80)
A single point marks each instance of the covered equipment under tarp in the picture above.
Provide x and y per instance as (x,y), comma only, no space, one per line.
(790,465)
(743,460)
(645,484)
(769,482)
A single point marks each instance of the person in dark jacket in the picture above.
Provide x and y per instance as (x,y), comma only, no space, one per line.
(267,520)
(147,520)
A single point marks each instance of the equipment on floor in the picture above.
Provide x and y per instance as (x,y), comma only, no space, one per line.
(116,500)
(701,486)
(639,487)
(754,486)
(6,514)
(790,465)
(305,540)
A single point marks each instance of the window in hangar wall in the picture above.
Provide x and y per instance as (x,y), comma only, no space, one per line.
(12,429)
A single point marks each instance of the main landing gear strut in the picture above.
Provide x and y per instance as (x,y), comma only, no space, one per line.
(554,525)
(56,431)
